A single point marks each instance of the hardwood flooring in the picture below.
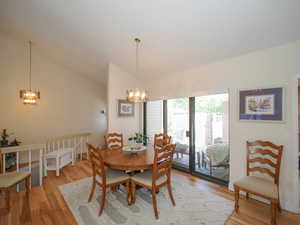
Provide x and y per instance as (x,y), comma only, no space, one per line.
(46,205)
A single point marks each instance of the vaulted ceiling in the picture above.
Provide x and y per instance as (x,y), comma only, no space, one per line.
(85,35)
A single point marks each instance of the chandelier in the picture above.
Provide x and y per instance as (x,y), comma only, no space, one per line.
(137,95)
(29,96)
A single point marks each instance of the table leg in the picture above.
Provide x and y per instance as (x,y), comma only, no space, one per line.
(129,193)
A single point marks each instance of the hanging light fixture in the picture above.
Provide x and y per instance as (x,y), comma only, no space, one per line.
(137,95)
(29,96)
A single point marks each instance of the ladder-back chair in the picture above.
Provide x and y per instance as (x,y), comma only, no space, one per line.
(159,176)
(103,177)
(263,169)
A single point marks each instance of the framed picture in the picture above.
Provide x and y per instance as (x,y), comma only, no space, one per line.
(261,104)
(125,108)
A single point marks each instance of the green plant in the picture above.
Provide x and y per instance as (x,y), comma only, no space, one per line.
(139,138)
(4,142)
(5,135)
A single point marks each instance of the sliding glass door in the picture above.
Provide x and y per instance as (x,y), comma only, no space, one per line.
(199,128)
(211,136)
(178,128)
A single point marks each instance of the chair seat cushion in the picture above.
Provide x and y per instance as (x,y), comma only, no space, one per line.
(12,178)
(146,178)
(114,176)
(258,185)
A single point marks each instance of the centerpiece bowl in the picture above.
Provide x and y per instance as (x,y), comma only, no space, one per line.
(134,148)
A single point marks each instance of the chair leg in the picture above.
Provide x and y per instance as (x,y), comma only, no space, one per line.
(45,167)
(102,200)
(92,190)
(236,198)
(247,195)
(170,193)
(279,207)
(57,166)
(273,212)
(133,190)
(27,185)
(154,202)
(73,158)
(7,199)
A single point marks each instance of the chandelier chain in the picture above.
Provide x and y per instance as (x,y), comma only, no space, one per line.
(28,96)
(137,95)
(137,56)
(30,43)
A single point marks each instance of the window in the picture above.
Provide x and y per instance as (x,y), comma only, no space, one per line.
(154,118)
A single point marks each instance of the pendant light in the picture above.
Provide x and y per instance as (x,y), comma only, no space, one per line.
(137,95)
(29,97)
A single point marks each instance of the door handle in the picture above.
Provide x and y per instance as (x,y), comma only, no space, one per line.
(187,133)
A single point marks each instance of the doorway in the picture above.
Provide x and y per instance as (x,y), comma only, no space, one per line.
(178,126)
(212,136)
(199,127)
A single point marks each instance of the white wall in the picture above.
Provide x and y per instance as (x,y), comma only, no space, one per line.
(70,103)
(117,83)
(267,68)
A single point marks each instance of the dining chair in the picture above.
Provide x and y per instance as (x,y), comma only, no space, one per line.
(263,169)
(161,139)
(113,141)
(159,176)
(10,179)
(104,178)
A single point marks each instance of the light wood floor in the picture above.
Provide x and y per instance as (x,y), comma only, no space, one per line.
(47,206)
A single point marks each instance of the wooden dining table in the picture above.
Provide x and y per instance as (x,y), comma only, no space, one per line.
(125,160)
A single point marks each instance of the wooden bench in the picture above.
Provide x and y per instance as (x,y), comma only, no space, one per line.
(58,159)
(61,151)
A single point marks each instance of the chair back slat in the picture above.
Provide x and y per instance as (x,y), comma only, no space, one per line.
(97,163)
(164,155)
(162,165)
(264,157)
(161,139)
(263,161)
(265,152)
(262,170)
(265,144)
(113,141)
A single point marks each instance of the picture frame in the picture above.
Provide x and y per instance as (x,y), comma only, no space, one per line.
(125,108)
(264,104)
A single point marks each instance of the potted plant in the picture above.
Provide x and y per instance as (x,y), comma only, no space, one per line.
(139,139)
(10,158)
(4,136)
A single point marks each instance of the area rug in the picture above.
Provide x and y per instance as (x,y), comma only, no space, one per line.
(193,206)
